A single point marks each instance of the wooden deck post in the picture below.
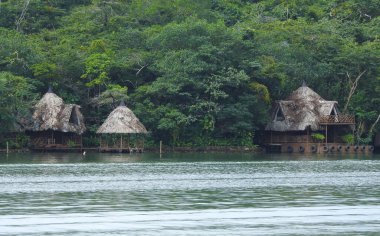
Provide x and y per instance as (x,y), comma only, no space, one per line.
(121,142)
(81,143)
(307,140)
(334,134)
(160,147)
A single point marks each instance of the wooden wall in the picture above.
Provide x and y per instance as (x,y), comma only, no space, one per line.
(47,139)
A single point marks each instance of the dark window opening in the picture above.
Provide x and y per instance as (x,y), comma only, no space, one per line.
(279,115)
(74,117)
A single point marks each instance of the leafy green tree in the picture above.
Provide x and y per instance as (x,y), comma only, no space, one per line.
(195,72)
(17,96)
(97,69)
(17,53)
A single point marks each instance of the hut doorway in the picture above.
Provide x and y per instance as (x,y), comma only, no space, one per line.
(279,115)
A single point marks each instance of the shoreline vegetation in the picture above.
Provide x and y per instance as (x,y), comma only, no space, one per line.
(165,149)
(207,149)
(193,72)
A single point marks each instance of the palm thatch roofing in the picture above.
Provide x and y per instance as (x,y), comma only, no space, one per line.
(122,121)
(52,114)
(303,108)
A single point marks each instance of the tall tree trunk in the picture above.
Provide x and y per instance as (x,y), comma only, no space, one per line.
(373,126)
(359,131)
(22,16)
(354,85)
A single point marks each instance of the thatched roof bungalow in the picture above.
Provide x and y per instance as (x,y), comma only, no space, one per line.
(302,109)
(304,116)
(121,121)
(55,124)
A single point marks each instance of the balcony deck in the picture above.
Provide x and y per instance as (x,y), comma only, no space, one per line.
(337,120)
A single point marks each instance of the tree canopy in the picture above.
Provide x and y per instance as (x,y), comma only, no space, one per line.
(194,72)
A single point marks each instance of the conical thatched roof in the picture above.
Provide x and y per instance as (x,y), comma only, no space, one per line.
(122,121)
(52,114)
(301,109)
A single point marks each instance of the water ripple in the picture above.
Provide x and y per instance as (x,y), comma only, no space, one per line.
(266,197)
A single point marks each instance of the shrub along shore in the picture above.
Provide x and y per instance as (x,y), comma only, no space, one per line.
(204,73)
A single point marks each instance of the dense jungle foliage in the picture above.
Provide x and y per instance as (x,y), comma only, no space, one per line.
(194,72)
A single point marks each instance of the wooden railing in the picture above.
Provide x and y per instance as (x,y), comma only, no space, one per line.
(338,119)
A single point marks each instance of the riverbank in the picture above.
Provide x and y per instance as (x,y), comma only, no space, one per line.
(206,149)
(20,150)
(165,149)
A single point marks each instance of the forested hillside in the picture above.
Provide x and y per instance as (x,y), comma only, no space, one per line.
(195,72)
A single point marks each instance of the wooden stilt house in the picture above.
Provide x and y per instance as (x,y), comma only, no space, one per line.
(305,122)
(55,125)
(117,129)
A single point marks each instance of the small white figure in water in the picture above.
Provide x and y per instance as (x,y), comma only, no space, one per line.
(84,153)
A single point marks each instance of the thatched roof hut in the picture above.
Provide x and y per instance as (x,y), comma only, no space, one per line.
(122,121)
(303,108)
(52,114)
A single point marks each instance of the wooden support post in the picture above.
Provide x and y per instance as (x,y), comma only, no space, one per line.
(326,136)
(121,142)
(160,147)
(7,147)
(81,143)
(307,140)
(334,134)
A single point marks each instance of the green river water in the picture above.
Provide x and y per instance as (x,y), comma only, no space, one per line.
(189,194)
